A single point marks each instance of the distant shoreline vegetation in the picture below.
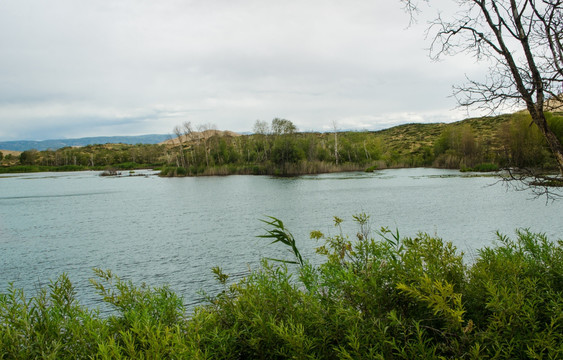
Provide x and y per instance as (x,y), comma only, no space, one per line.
(23,145)
(478,144)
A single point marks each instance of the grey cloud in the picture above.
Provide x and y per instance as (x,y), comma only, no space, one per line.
(83,67)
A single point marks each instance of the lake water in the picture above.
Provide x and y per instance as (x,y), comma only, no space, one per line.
(174,230)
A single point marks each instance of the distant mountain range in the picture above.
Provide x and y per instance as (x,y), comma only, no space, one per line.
(23,145)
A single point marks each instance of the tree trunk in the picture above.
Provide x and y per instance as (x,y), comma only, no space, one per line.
(554,144)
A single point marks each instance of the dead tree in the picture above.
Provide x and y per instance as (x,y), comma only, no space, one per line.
(522,39)
(523,42)
(181,159)
(335,128)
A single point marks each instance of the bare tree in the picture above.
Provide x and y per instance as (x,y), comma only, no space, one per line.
(205,132)
(188,135)
(526,179)
(335,128)
(523,42)
(261,127)
(412,7)
(187,129)
(262,130)
(181,161)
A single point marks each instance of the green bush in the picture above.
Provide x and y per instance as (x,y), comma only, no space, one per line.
(21,169)
(166,171)
(373,298)
(171,171)
(181,171)
(129,166)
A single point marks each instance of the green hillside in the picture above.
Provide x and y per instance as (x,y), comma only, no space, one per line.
(485,143)
(410,138)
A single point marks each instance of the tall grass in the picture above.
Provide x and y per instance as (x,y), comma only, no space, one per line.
(289,169)
(376,296)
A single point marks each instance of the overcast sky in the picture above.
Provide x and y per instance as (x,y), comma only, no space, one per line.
(76,68)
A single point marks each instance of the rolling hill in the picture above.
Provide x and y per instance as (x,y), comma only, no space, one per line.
(23,145)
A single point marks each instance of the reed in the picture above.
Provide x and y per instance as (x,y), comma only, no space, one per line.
(376,296)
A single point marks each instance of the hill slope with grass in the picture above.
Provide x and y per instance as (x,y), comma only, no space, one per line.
(485,143)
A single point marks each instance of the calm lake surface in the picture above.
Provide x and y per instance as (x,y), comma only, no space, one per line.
(174,230)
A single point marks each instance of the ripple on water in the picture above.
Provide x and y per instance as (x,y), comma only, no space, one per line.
(173,231)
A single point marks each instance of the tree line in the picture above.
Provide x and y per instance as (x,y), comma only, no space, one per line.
(278,148)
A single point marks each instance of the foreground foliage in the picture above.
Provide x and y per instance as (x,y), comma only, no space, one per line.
(390,298)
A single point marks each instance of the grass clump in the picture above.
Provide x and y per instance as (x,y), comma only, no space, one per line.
(483,167)
(376,296)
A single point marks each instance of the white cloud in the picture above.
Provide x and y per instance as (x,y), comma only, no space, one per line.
(124,67)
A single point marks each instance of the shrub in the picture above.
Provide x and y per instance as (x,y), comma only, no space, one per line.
(514,295)
(129,166)
(384,298)
(170,171)
(181,171)
(398,298)
(165,171)
(20,169)
(50,325)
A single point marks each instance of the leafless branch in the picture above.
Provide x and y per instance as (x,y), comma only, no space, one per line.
(540,185)
(522,40)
